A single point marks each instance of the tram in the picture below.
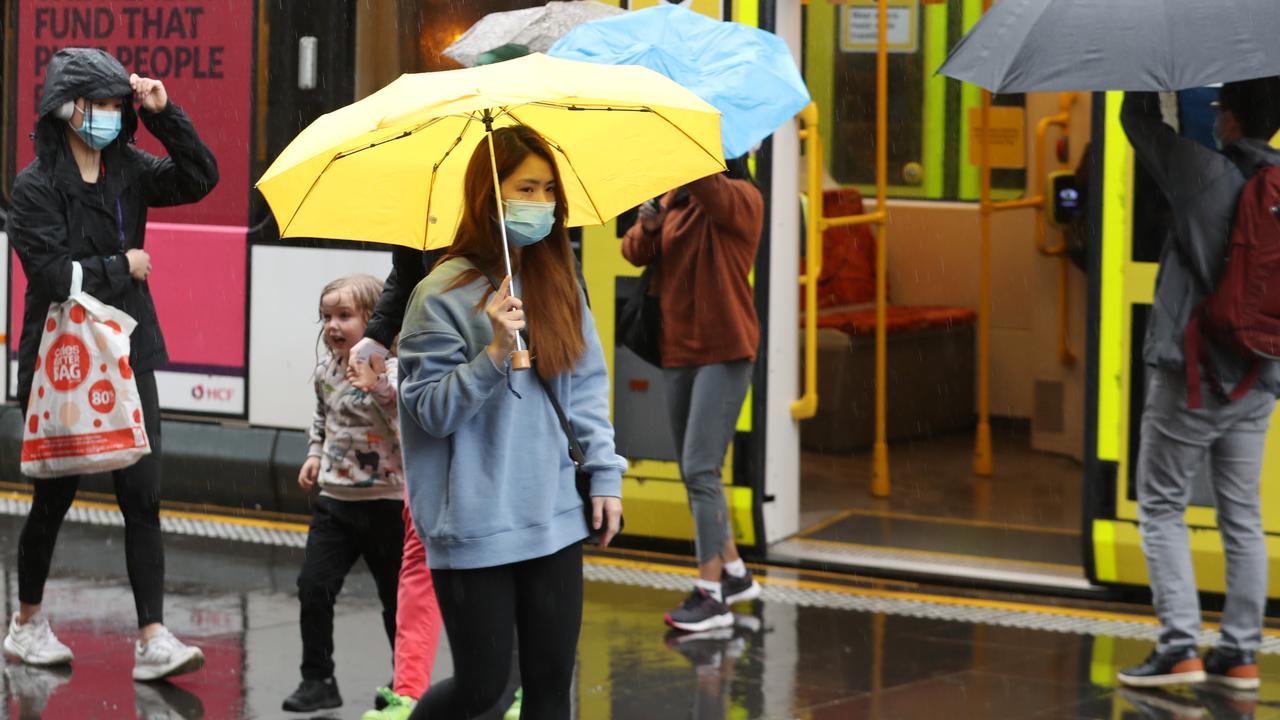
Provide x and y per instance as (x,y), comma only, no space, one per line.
(1011,394)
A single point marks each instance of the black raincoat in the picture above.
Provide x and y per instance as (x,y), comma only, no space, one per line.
(57,218)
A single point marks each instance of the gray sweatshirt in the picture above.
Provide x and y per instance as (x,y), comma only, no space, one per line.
(489,475)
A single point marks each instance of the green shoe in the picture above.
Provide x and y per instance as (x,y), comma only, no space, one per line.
(513,712)
(398,707)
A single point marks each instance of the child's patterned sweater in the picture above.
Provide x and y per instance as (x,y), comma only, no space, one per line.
(356,436)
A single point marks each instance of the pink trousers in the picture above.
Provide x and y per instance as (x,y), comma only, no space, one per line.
(418,620)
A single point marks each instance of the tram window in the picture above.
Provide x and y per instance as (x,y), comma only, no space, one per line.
(928,151)
(853,151)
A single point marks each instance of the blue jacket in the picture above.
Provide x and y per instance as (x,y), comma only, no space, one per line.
(489,475)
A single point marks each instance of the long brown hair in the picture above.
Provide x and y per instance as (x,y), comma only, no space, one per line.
(548,284)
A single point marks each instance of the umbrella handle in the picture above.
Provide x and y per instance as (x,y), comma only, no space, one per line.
(520,358)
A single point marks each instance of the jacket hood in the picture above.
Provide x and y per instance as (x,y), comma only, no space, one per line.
(82,73)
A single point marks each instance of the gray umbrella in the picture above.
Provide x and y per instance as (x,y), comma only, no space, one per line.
(536,28)
(1088,45)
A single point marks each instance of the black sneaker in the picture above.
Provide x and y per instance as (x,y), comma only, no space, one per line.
(738,589)
(1235,669)
(1175,667)
(314,695)
(700,612)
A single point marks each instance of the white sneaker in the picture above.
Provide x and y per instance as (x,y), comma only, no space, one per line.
(163,656)
(34,643)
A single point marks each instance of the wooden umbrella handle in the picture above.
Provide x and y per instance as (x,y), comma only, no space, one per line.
(520,360)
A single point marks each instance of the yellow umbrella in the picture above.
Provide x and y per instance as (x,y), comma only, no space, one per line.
(389,168)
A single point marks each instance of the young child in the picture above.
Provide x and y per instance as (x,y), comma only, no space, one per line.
(354,457)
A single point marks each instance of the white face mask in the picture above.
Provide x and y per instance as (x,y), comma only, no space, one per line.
(528,221)
(99,127)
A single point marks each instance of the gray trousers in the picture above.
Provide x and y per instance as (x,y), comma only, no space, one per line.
(1177,443)
(704,403)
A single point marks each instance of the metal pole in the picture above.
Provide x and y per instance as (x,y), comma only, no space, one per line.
(982,443)
(880,486)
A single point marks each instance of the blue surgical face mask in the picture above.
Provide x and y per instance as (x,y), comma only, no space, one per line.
(100,127)
(528,221)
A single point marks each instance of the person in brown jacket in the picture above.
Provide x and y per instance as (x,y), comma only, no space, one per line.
(704,236)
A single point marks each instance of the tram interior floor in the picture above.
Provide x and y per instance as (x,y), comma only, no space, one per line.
(814,647)
(1027,510)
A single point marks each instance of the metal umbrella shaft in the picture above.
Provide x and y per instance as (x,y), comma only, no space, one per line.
(519,359)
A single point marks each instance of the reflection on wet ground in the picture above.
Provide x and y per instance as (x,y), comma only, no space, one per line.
(791,656)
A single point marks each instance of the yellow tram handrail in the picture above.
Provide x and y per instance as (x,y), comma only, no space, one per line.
(807,405)
(816,224)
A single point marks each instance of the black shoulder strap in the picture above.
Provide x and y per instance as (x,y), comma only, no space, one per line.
(575,447)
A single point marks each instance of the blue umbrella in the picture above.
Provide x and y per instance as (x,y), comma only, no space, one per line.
(746,73)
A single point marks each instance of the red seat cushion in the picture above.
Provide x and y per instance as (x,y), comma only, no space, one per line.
(898,319)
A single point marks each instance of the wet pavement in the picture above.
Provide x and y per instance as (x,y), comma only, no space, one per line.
(816,648)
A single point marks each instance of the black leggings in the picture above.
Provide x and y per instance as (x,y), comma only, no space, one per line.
(138,494)
(542,600)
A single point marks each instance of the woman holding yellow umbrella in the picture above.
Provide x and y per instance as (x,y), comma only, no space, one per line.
(496,162)
(495,488)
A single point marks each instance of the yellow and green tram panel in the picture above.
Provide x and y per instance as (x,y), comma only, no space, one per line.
(1127,287)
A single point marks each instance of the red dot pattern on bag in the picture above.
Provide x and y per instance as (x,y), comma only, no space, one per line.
(33,424)
(97,423)
(46,414)
(40,391)
(77,314)
(103,368)
(39,362)
(137,416)
(50,325)
(115,327)
(126,372)
(67,363)
(102,396)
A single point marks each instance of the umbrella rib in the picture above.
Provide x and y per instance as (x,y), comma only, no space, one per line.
(681,130)
(577,107)
(569,160)
(435,170)
(284,231)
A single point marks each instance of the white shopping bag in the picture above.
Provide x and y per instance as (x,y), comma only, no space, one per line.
(84,415)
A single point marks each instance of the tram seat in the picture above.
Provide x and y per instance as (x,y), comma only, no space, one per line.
(930,384)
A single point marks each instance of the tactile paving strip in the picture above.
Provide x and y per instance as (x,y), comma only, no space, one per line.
(605,569)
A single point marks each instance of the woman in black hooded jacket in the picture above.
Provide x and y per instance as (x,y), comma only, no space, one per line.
(79,216)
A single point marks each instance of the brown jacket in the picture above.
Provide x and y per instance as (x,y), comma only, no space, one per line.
(708,248)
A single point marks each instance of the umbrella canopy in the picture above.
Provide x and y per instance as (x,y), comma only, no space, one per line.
(390,167)
(1090,45)
(747,73)
(535,28)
